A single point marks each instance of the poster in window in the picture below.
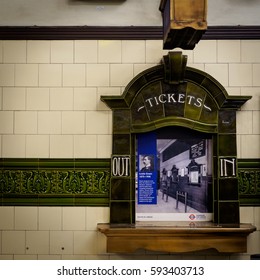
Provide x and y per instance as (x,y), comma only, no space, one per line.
(174,176)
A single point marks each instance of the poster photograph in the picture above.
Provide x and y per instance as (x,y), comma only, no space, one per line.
(174,176)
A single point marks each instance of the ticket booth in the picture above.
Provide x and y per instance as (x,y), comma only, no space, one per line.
(184,122)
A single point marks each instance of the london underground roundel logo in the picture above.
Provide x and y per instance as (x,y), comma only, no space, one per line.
(192,216)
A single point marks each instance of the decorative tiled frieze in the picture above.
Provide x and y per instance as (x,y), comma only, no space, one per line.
(87,182)
(249,182)
(54,182)
(63,182)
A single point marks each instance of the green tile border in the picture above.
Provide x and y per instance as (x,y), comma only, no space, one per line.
(86,182)
(54,182)
(249,182)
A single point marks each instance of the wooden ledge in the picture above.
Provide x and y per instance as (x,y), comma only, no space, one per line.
(178,239)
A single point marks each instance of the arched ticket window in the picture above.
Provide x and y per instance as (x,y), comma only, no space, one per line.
(174,97)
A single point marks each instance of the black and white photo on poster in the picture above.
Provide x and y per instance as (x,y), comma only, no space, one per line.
(184,177)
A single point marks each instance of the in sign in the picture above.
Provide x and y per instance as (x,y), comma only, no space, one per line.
(120,166)
(227,167)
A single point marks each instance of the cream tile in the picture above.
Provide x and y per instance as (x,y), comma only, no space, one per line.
(37,146)
(74,75)
(6,257)
(1,51)
(37,242)
(104,146)
(97,75)
(61,98)
(13,242)
(14,51)
(244,122)
(74,218)
(85,99)
(101,243)
(38,99)
(240,75)
(228,51)
(86,51)
(61,146)
(38,51)
(13,146)
(49,122)
(239,146)
(14,98)
(247,215)
(62,51)
(1,146)
(95,215)
(256,122)
(25,122)
(109,51)
(154,51)
(50,218)
(233,90)
(0,241)
(97,122)
(73,257)
(138,68)
(49,257)
(256,74)
(250,51)
(199,66)
(26,218)
(253,243)
(254,102)
(121,74)
(257,217)
(6,218)
(133,51)
(73,122)
(25,257)
(50,75)
(6,75)
(1,98)
(219,72)
(26,75)
(85,242)
(102,256)
(106,91)
(205,52)
(85,146)
(250,146)
(6,122)
(61,242)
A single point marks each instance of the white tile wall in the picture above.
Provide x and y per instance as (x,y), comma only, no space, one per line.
(14,51)
(62,51)
(38,51)
(13,146)
(61,146)
(26,75)
(50,107)
(109,51)
(14,98)
(6,74)
(229,51)
(86,51)
(37,146)
(50,75)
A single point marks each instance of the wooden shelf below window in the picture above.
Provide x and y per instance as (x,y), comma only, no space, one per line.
(178,239)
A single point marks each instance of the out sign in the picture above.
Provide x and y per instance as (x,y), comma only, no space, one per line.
(121,166)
